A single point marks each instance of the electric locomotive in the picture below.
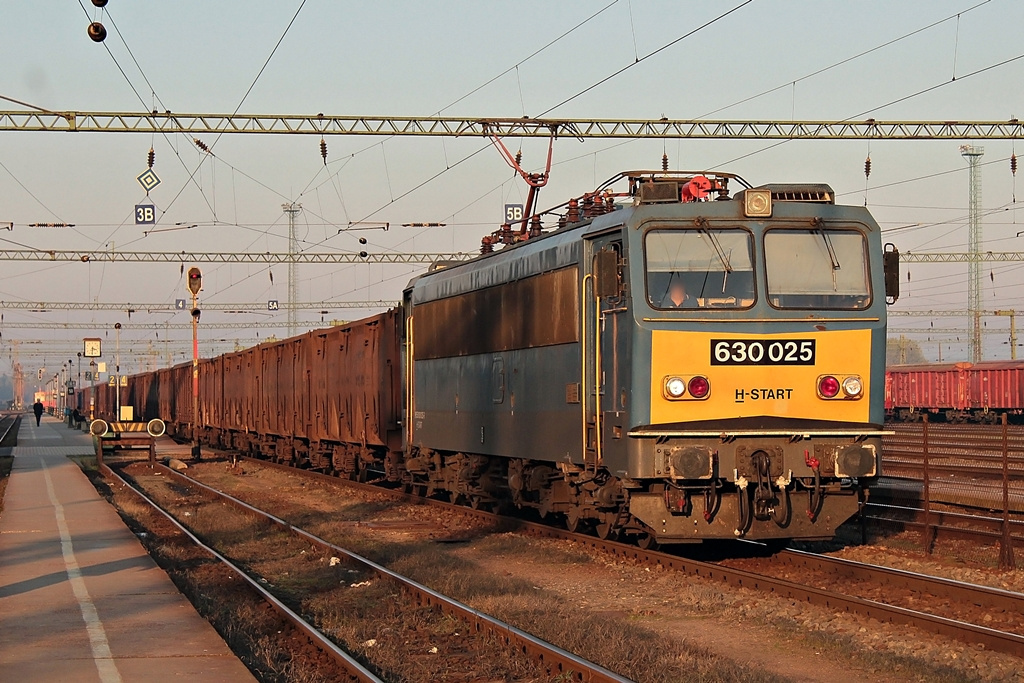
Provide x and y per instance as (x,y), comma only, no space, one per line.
(673,364)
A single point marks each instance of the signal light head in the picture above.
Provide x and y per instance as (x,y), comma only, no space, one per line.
(828,386)
(699,387)
(195,281)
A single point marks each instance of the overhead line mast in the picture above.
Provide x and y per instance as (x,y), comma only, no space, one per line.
(973,156)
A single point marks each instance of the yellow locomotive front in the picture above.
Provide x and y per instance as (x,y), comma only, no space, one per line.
(756,365)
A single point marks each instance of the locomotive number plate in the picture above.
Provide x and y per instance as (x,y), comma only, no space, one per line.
(762,352)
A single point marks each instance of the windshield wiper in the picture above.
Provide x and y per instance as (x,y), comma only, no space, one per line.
(722,256)
(831,250)
(831,255)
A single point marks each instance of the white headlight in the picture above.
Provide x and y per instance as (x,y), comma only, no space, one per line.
(675,387)
(852,386)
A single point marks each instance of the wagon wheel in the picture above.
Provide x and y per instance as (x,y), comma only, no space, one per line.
(478,503)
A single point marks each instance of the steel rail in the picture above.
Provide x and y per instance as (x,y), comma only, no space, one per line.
(6,429)
(348,663)
(444,126)
(945,523)
(992,639)
(939,587)
(559,662)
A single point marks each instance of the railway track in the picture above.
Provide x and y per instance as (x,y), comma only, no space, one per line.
(967,468)
(345,661)
(966,450)
(991,606)
(557,662)
(761,579)
(9,429)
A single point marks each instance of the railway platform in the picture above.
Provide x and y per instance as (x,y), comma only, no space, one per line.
(80,599)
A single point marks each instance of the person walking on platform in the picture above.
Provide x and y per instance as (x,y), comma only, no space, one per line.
(37,408)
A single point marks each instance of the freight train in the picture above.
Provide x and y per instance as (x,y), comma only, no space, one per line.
(672,363)
(955,392)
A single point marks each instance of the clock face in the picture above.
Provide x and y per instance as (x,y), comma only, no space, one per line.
(92,348)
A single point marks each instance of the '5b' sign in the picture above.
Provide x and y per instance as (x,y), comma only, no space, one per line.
(145,214)
(513,213)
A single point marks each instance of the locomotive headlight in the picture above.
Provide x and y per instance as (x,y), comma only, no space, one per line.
(675,387)
(757,203)
(852,386)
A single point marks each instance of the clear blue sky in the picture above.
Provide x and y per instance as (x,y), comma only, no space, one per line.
(416,59)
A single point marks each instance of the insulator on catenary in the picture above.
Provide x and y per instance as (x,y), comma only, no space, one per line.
(152,157)
(97,32)
(323,150)
(867,167)
(664,162)
(201,145)
(1013,164)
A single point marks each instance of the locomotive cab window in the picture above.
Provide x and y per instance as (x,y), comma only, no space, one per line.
(689,269)
(817,268)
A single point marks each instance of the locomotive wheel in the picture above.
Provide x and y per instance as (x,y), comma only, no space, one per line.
(776,545)
(574,522)
(604,530)
(646,541)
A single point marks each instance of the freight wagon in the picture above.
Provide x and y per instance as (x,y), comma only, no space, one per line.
(955,392)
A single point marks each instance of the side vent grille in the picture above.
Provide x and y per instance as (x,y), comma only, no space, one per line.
(817,193)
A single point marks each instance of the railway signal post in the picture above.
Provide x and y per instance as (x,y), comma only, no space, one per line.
(117,371)
(195,284)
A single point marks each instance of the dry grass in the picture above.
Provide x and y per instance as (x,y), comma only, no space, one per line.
(555,618)
(615,641)
(376,621)
(272,650)
(907,668)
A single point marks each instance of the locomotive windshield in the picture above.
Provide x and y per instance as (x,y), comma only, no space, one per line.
(699,268)
(817,269)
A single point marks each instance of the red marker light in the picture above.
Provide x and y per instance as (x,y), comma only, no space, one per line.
(828,386)
(699,387)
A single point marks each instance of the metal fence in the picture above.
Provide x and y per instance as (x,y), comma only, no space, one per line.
(956,481)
